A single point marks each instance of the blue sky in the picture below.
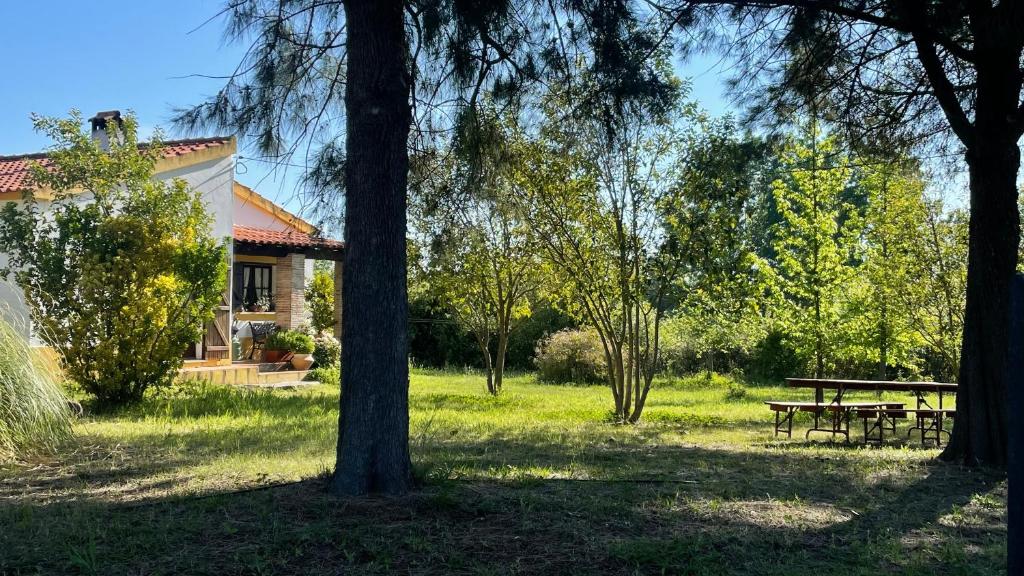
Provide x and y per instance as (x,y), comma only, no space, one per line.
(132,55)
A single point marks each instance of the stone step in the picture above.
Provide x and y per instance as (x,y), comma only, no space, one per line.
(291,385)
(281,376)
(237,374)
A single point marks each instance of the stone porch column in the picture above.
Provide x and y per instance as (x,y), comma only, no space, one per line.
(289,291)
(338,267)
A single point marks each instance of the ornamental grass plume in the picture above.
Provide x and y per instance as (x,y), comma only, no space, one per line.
(34,413)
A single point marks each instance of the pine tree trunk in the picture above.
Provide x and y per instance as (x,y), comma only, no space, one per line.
(373,436)
(980,431)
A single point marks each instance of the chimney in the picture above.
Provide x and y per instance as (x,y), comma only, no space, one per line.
(99,126)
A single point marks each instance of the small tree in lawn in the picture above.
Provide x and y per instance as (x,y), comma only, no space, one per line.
(483,264)
(486,279)
(593,194)
(120,270)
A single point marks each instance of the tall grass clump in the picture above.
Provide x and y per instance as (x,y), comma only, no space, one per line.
(34,413)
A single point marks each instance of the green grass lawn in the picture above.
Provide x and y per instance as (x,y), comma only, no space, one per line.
(536,481)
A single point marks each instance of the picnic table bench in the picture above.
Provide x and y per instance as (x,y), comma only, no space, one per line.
(878,416)
(838,415)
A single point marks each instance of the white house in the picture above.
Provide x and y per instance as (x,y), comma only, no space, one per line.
(272,250)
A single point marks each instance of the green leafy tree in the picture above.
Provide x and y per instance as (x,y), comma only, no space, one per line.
(320,300)
(592,194)
(119,270)
(937,266)
(486,277)
(894,216)
(484,263)
(814,244)
(710,223)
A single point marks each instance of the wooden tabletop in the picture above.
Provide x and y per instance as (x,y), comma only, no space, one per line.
(871,385)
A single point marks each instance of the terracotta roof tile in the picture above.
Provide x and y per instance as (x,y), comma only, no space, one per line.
(292,238)
(14,170)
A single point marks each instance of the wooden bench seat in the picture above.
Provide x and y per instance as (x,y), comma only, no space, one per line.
(929,422)
(841,413)
(904,412)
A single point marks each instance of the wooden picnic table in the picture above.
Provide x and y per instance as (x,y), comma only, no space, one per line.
(919,389)
(924,411)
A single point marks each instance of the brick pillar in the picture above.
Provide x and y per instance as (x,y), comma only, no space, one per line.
(289,291)
(337,298)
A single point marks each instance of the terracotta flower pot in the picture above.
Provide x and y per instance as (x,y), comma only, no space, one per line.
(273,356)
(302,361)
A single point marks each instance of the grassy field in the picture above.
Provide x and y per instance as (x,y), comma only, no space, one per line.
(536,481)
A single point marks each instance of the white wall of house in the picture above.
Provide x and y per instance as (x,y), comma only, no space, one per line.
(214,180)
(12,306)
(248,214)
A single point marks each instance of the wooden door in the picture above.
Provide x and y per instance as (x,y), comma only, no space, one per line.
(217,341)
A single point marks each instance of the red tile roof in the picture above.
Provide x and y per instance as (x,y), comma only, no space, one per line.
(291,238)
(14,170)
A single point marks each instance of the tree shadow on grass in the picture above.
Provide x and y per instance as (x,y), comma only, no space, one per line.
(731,512)
(523,501)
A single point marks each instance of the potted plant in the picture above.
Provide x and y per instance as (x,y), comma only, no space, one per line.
(277,347)
(302,351)
(263,303)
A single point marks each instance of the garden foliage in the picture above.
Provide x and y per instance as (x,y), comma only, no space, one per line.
(120,270)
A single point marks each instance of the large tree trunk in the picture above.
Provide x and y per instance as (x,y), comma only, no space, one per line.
(980,432)
(373,436)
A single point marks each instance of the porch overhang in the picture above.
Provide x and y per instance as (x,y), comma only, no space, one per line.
(252,241)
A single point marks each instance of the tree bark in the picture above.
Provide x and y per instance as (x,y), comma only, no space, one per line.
(980,432)
(499,362)
(373,435)
(485,349)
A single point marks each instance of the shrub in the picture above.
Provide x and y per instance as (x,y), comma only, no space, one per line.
(680,353)
(303,344)
(327,350)
(34,414)
(571,356)
(735,391)
(320,300)
(121,270)
(330,375)
(290,341)
(775,358)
